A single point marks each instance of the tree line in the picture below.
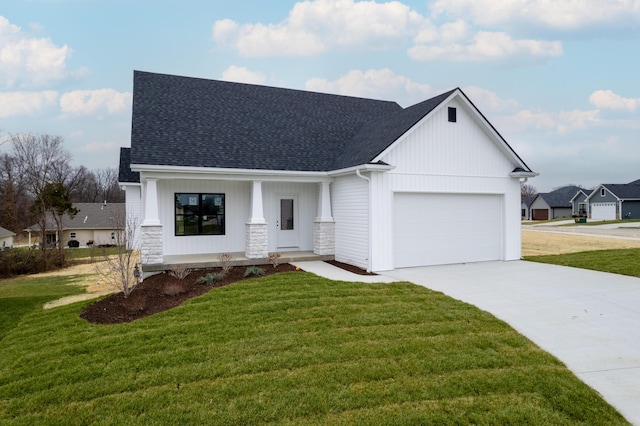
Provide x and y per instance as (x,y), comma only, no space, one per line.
(37,177)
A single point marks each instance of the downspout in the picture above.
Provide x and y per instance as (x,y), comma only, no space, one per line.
(369,219)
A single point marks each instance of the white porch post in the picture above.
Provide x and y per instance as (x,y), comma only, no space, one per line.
(256,240)
(324,225)
(151,251)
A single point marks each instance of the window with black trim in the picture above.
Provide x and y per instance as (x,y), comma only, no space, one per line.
(452,115)
(199,214)
(602,194)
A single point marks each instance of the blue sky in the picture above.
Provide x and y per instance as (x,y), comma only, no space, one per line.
(560,80)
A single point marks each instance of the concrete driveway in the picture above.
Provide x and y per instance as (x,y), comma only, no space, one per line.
(589,320)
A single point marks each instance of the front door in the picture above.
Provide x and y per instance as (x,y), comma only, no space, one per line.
(287,221)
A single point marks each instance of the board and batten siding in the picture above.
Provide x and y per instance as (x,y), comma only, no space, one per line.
(134,215)
(350,203)
(437,156)
(237,200)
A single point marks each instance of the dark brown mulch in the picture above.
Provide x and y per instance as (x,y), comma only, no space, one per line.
(350,268)
(161,292)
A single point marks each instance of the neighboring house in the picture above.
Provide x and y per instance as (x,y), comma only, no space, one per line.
(553,205)
(95,224)
(525,207)
(580,204)
(615,201)
(6,239)
(238,168)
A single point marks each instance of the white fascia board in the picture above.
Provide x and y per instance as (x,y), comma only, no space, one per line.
(182,172)
(523,174)
(362,168)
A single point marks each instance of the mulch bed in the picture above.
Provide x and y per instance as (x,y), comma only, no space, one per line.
(161,292)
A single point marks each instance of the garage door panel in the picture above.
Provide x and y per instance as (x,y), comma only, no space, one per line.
(433,229)
(603,211)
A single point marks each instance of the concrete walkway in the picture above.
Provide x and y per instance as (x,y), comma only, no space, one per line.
(589,320)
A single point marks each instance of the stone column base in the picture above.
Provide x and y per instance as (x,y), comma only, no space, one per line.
(324,238)
(256,246)
(151,248)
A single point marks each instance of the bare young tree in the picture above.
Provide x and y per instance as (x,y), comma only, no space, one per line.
(527,190)
(118,270)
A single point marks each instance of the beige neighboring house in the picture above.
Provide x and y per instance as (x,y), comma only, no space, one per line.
(6,239)
(95,224)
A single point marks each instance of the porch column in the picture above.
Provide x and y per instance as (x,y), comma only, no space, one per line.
(256,241)
(324,240)
(151,250)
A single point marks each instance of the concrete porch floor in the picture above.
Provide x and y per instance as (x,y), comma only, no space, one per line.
(211,260)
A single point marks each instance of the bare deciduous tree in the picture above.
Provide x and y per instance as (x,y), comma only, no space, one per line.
(118,270)
(527,190)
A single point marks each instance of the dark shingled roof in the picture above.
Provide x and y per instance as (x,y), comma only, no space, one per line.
(124,173)
(560,197)
(375,137)
(625,191)
(184,121)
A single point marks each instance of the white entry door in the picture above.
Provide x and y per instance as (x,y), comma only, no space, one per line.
(287,222)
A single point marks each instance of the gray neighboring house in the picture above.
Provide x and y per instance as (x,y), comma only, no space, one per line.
(580,204)
(6,239)
(612,201)
(553,205)
(526,207)
(95,224)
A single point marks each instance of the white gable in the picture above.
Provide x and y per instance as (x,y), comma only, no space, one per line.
(436,146)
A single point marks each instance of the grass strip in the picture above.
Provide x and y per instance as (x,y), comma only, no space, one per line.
(290,349)
(617,261)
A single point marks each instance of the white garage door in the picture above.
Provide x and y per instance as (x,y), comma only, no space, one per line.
(603,211)
(437,229)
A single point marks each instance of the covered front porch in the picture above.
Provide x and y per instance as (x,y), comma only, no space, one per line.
(206,261)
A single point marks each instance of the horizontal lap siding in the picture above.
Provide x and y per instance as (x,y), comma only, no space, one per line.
(350,201)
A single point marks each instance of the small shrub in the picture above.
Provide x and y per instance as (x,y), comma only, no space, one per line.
(253,271)
(211,277)
(180,272)
(225,260)
(274,258)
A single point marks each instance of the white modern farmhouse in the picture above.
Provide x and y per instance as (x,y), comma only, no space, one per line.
(218,167)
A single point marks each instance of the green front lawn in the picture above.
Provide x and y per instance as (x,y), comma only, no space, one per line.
(620,261)
(291,348)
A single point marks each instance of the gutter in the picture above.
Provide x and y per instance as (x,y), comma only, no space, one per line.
(370,226)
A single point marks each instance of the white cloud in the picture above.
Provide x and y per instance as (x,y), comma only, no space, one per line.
(485,46)
(28,61)
(243,75)
(487,100)
(313,27)
(316,26)
(377,84)
(14,104)
(560,122)
(606,99)
(563,15)
(95,101)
